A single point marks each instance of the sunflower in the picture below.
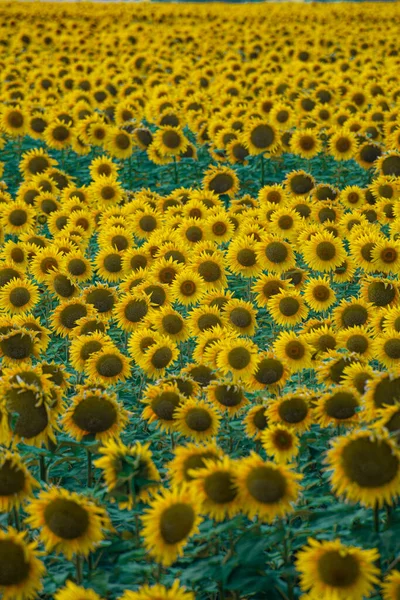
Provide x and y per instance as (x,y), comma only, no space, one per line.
(280,442)
(33,324)
(158,592)
(240,316)
(382,390)
(14,121)
(338,405)
(368,154)
(285,223)
(129,472)
(71,591)
(386,256)
(365,468)
(16,482)
(226,397)
(287,308)
(299,183)
(305,143)
(210,266)
(189,458)
(275,255)
(292,410)
(161,401)
(17,217)
(318,294)
(329,569)
(218,227)
(352,312)
(69,523)
(35,161)
(221,180)
(131,310)
(216,489)
(108,366)
(260,136)
(15,253)
(169,141)
(18,297)
(59,284)
(357,376)
(103,165)
(330,368)
(109,264)
(105,191)
(344,272)
(237,357)
(266,490)
(18,344)
(188,287)
(343,145)
(44,262)
(158,357)
(265,287)
(135,259)
(96,414)
(103,298)
(270,374)
(170,322)
(65,316)
(203,318)
(386,348)
(196,419)
(83,346)
(141,340)
(391,586)
(356,339)
(389,164)
(173,516)
(294,352)
(21,570)
(145,222)
(118,143)
(324,252)
(58,134)
(255,421)
(379,291)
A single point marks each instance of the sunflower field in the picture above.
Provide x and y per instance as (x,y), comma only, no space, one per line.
(199,301)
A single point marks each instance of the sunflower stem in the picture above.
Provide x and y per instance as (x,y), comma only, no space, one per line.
(78,567)
(376,518)
(89,468)
(172,440)
(16,518)
(43,468)
(388,515)
(175,171)
(262,170)
(90,563)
